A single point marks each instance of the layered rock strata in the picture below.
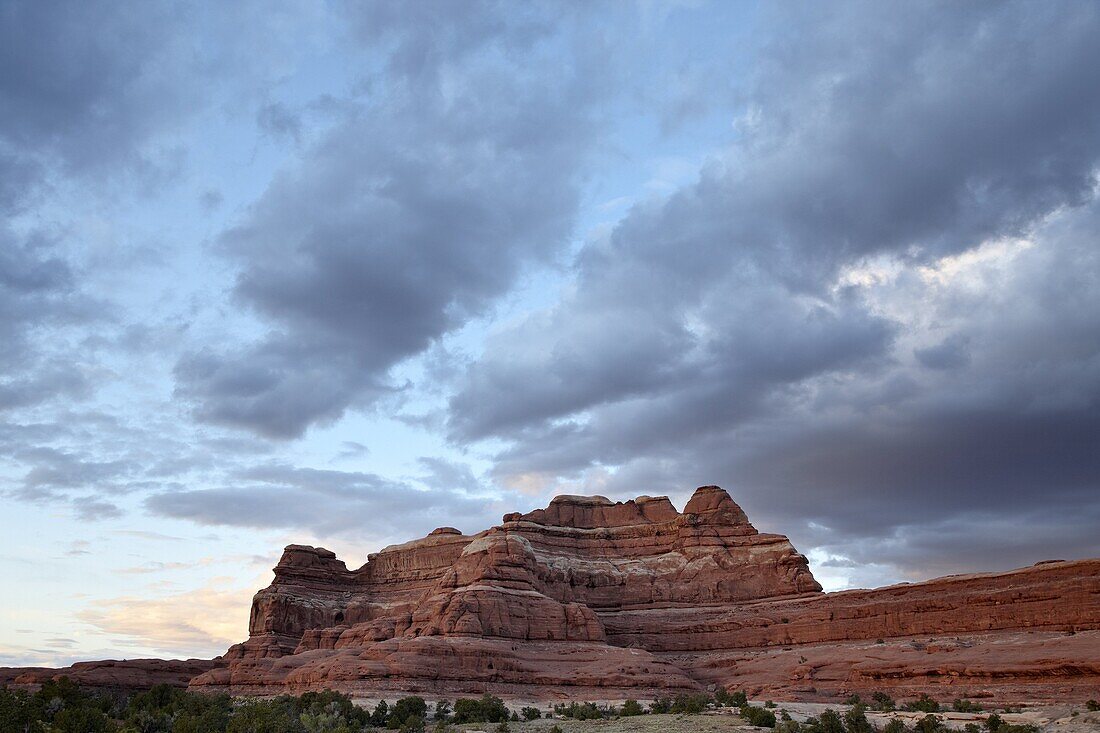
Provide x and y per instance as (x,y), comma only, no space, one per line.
(127,674)
(615,599)
(595,599)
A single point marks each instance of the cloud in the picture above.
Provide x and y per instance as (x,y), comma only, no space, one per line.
(157,567)
(859,288)
(874,312)
(78,96)
(328,503)
(90,509)
(367,252)
(951,353)
(217,618)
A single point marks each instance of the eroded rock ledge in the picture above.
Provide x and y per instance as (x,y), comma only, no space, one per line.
(605,599)
(590,598)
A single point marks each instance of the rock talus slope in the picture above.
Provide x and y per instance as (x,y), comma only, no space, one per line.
(589,597)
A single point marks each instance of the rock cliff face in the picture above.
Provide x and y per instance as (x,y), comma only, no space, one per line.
(593,598)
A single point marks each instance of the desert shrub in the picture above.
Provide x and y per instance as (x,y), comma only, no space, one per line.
(972,728)
(159,698)
(322,723)
(853,700)
(923,704)
(829,722)
(502,727)
(530,713)
(930,724)
(690,704)
(405,708)
(148,721)
(380,714)
(727,699)
(177,711)
(631,708)
(62,707)
(442,710)
(882,702)
(759,717)
(333,703)
(660,705)
(579,711)
(1092,706)
(485,709)
(966,706)
(994,723)
(15,710)
(895,725)
(855,720)
(555,729)
(81,719)
(412,724)
(265,716)
(64,690)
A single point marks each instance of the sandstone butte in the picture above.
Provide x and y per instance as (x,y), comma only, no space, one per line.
(590,599)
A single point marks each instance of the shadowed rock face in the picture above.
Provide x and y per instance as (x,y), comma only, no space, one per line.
(634,598)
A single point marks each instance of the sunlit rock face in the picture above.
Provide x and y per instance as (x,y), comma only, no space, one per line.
(613,599)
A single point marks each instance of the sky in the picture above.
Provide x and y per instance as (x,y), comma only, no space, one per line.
(339,273)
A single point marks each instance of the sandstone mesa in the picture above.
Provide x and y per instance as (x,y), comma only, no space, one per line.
(595,599)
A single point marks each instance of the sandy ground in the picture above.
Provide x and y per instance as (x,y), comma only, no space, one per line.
(1050,719)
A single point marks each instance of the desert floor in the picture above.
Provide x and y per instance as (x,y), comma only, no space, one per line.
(1050,719)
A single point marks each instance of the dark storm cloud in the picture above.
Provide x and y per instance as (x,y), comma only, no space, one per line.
(951,353)
(83,84)
(355,504)
(405,220)
(91,94)
(84,87)
(720,336)
(39,296)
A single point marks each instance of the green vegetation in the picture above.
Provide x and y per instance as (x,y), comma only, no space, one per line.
(966,706)
(896,725)
(582,711)
(62,707)
(726,699)
(855,720)
(485,709)
(1092,706)
(758,716)
(923,704)
(380,714)
(882,702)
(408,713)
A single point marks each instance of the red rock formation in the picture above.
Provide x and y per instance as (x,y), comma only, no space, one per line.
(125,674)
(635,597)
(600,599)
